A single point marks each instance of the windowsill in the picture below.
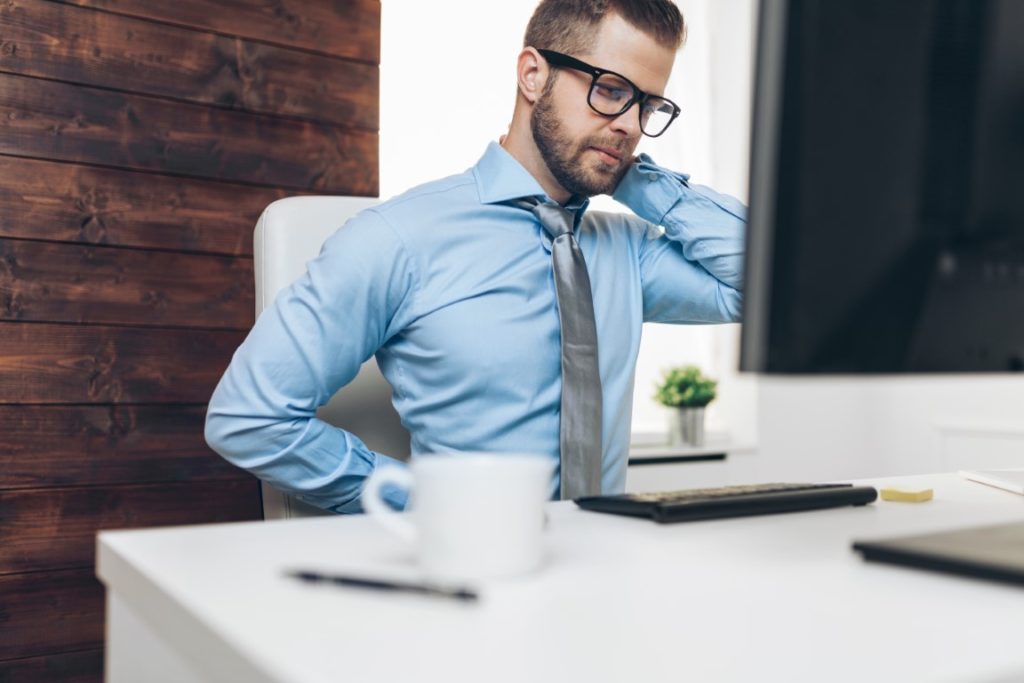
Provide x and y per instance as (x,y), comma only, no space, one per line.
(647,446)
(980,426)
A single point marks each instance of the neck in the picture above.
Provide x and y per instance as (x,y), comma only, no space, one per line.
(519,143)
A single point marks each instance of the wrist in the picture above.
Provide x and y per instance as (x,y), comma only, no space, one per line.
(650,191)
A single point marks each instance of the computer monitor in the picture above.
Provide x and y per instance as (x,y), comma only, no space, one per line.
(886,226)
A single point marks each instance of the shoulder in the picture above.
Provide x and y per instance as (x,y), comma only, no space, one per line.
(395,221)
(423,202)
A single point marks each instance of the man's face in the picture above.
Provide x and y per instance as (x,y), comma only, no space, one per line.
(587,153)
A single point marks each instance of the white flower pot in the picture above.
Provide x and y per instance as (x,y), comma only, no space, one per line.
(687,427)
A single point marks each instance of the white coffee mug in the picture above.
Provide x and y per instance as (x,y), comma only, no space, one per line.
(471,515)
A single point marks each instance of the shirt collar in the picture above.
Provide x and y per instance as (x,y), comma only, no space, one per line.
(500,178)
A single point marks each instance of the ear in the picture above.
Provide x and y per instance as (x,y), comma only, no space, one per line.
(532,72)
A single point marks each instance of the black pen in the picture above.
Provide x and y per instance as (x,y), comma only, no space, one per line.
(465,594)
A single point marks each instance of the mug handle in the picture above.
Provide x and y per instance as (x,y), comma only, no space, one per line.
(374,505)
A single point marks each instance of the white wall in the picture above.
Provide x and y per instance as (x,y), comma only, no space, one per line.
(864,426)
(447,81)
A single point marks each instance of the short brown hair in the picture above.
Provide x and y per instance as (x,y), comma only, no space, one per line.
(569,25)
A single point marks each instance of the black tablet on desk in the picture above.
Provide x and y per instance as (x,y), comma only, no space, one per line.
(991,552)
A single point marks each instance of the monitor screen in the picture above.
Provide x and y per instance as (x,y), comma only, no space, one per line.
(886,227)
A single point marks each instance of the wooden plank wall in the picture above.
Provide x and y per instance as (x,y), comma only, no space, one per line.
(139,142)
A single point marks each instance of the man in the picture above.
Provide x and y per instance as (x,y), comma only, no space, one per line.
(505,317)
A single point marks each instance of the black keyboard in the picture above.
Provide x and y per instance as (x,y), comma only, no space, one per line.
(729,501)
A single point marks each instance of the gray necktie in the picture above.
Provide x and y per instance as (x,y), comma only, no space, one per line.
(580,428)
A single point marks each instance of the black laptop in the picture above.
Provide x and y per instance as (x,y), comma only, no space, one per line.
(990,552)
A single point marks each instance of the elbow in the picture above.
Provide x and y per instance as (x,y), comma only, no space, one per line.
(730,303)
(223,430)
(217,432)
(736,309)
(230,425)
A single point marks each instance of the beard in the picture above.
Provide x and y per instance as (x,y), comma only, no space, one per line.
(564,156)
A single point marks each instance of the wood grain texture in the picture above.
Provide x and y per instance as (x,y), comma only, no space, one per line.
(68,667)
(53,120)
(344,28)
(43,613)
(50,282)
(73,203)
(44,363)
(46,446)
(139,142)
(81,45)
(48,529)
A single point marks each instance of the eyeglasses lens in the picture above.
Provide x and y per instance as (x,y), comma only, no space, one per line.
(656,116)
(611,95)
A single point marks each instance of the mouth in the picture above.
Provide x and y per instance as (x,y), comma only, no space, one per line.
(608,155)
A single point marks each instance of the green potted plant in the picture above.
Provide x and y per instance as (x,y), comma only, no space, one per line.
(688,392)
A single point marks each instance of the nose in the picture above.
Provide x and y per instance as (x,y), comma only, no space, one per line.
(628,122)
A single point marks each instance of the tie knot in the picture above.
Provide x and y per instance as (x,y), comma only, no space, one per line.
(556,220)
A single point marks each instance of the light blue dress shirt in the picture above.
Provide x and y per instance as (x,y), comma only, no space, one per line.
(452,289)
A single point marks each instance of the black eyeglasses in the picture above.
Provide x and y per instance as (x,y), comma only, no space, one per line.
(612,94)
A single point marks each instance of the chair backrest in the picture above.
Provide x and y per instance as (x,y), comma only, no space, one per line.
(289,233)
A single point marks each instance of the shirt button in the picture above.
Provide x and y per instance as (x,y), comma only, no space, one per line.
(651,176)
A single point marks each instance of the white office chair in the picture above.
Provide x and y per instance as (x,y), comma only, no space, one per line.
(288,234)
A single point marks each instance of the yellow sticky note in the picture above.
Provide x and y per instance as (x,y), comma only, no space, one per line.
(906,495)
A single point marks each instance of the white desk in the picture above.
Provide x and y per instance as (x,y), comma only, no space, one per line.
(764,598)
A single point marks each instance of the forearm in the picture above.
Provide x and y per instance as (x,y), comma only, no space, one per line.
(694,271)
(710,227)
(260,426)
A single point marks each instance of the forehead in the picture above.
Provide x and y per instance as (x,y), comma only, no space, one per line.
(623,48)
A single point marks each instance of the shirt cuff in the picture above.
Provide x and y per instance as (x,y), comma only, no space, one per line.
(394,496)
(649,190)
